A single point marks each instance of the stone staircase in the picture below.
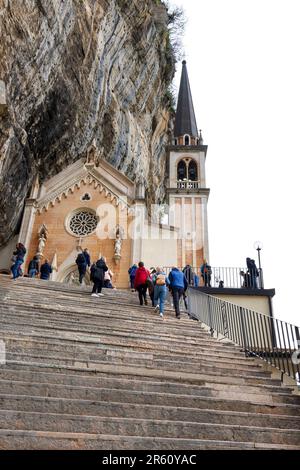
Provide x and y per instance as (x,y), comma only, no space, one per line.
(88,373)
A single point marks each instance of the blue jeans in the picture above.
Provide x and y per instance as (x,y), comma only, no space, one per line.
(160,294)
(15,269)
(32,272)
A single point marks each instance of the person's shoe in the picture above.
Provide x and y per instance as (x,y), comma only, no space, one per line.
(156,308)
(100,295)
(132,290)
(95,295)
(178,317)
(146,302)
(161,315)
(141,303)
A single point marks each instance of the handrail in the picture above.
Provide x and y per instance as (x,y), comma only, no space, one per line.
(270,339)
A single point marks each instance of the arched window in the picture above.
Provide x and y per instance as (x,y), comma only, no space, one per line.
(193,173)
(181,170)
(176,142)
(186,140)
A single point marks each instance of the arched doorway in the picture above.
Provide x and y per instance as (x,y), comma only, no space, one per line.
(70,275)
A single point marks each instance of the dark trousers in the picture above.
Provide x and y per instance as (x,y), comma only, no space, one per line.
(151,295)
(132,282)
(253,281)
(142,290)
(177,293)
(206,279)
(82,272)
(97,287)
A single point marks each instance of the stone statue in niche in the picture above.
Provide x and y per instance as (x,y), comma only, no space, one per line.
(43,235)
(41,246)
(118,243)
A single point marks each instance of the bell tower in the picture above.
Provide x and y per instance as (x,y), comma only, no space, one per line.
(186,187)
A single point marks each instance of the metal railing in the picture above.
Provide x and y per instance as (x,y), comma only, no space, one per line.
(226,277)
(274,341)
(188,184)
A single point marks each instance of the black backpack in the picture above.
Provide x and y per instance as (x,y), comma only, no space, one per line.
(97,274)
(81,259)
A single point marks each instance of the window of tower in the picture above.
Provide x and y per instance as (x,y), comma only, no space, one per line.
(181,171)
(193,173)
(176,142)
(186,140)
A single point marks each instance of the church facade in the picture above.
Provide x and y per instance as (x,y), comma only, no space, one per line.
(92,205)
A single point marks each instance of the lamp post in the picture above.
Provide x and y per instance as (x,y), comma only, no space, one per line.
(258,246)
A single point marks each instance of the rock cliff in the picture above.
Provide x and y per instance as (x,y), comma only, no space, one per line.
(75,71)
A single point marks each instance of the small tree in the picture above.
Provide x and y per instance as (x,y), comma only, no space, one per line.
(176,26)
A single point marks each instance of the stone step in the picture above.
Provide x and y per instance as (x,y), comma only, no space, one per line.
(130,357)
(103,353)
(91,407)
(134,341)
(142,363)
(110,318)
(138,383)
(128,371)
(131,339)
(119,394)
(34,343)
(173,413)
(59,301)
(119,336)
(147,428)
(177,340)
(41,440)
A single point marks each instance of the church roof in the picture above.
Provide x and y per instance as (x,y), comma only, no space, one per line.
(116,186)
(185,120)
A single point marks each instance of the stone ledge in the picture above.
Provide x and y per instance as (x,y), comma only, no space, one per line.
(235,291)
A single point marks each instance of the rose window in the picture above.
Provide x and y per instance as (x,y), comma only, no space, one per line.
(83,223)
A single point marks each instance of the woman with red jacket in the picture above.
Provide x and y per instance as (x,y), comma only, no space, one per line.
(140,282)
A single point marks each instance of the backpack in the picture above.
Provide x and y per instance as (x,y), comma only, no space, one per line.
(81,259)
(160,280)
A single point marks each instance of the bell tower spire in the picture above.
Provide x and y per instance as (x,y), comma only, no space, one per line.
(185,130)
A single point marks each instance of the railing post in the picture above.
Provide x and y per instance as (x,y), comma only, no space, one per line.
(209,316)
(243,330)
(261,278)
(224,319)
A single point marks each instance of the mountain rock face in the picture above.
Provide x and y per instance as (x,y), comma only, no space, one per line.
(75,72)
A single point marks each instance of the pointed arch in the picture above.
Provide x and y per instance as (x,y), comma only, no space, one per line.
(181,170)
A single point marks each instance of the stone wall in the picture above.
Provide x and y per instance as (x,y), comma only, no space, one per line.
(77,71)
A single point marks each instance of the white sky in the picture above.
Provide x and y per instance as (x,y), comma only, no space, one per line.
(243,64)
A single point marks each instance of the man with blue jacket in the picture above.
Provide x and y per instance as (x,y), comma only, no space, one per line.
(46,270)
(178,285)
